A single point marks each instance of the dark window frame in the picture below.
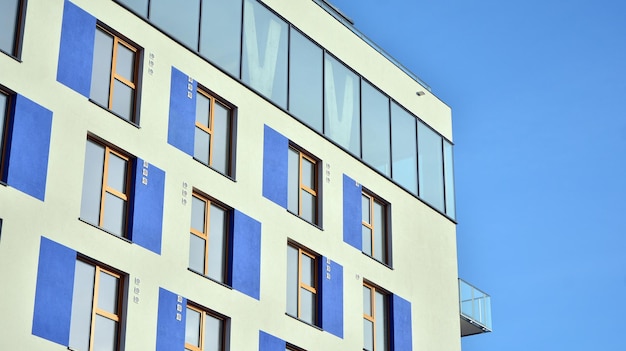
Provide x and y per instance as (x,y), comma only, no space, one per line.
(386,206)
(18,36)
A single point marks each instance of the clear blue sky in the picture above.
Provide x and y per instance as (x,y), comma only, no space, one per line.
(538,94)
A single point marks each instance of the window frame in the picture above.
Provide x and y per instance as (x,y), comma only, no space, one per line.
(315,290)
(232,110)
(372,318)
(18,35)
(203,314)
(206,236)
(316,192)
(386,215)
(134,85)
(4,131)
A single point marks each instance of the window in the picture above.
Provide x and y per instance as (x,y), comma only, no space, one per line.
(96,308)
(303,185)
(374,227)
(375,319)
(204,331)
(209,238)
(4,113)
(302,284)
(11,25)
(114,78)
(106,188)
(213,132)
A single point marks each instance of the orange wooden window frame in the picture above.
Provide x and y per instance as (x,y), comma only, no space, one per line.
(302,285)
(303,157)
(206,235)
(95,311)
(373,317)
(106,189)
(371,225)
(203,316)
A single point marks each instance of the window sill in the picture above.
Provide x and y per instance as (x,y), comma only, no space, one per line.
(115,114)
(215,170)
(302,219)
(106,231)
(305,322)
(377,261)
(210,279)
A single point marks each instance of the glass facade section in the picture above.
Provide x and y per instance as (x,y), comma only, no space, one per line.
(305,80)
(404,148)
(375,128)
(341,102)
(220,33)
(430,157)
(139,6)
(178,18)
(264,59)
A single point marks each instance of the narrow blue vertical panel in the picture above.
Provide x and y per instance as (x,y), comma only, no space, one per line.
(245,259)
(401,328)
(171,321)
(268,342)
(275,156)
(29,147)
(332,297)
(53,295)
(182,118)
(352,220)
(147,213)
(78,33)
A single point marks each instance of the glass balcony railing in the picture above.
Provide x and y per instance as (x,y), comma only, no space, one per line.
(475,308)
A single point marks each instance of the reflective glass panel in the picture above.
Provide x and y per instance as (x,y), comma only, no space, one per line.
(404,148)
(116,175)
(92,183)
(366,234)
(368,335)
(101,71)
(380,244)
(9,17)
(198,211)
(203,110)
(201,143)
(305,80)
(196,254)
(341,101)
(123,100)
(308,173)
(264,65)
(292,281)
(293,180)
(308,207)
(192,327)
(213,333)
(3,118)
(114,215)
(430,157)
(82,301)
(139,6)
(308,270)
(221,139)
(220,33)
(448,163)
(105,338)
(365,209)
(125,64)
(217,243)
(178,18)
(375,128)
(381,323)
(108,292)
(367,301)
(307,306)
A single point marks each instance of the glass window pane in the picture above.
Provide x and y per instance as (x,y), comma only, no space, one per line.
(404,148)
(92,183)
(8,25)
(264,65)
(201,143)
(203,110)
(305,80)
(116,175)
(125,64)
(139,6)
(341,101)
(178,18)
(220,33)
(192,327)
(101,71)
(197,246)
(292,281)
(198,211)
(430,160)
(367,301)
(366,234)
(308,174)
(365,209)
(368,335)
(114,215)
(213,333)
(123,100)
(381,322)
(309,208)
(307,306)
(308,270)
(82,300)
(293,181)
(375,128)
(108,292)
(448,161)
(105,338)
(380,244)
(217,243)
(3,114)
(221,139)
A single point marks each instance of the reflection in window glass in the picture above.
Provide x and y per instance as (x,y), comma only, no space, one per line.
(430,166)
(404,148)
(448,162)
(9,25)
(341,101)
(220,33)
(178,18)
(305,80)
(375,128)
(101,72)
(265,52)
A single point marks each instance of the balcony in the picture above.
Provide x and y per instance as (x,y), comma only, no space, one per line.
(475,308)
